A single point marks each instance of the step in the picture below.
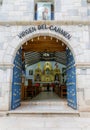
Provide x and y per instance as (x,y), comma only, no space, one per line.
(44,113)
(42,108)
(85,114)
(3,113)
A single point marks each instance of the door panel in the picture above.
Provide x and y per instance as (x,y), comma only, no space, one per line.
(71,80)
(16,83)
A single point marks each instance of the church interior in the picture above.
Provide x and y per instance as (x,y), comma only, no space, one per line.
(44,69)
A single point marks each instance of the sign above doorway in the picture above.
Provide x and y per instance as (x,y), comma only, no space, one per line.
(56,29)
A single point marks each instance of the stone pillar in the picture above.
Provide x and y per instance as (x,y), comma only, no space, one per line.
(83,88)
(5,86)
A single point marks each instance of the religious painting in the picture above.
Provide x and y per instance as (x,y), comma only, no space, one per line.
(31,72)
(43,11)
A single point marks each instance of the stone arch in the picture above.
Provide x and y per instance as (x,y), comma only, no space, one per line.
(16,43)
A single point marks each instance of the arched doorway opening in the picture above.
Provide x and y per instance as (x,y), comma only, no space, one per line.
(52,66)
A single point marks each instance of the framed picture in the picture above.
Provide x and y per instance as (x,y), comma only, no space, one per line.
(31,72)
(43,11)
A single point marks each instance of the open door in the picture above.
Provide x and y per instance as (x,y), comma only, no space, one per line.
(17,79)
(71,80)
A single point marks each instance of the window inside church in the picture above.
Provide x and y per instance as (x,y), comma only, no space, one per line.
(31,72)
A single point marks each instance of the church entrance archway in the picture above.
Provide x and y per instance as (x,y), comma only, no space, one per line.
(47,49)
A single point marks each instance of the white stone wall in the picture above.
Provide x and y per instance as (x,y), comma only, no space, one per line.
(65,10)
(23,10)
(79,44)
(14,10)
(83,84)
(80,34)
(71,10)
(5,87)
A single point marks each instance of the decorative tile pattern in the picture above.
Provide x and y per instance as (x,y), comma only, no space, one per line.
(16,84)
(71,80)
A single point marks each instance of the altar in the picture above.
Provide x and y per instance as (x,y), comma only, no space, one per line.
(48,74)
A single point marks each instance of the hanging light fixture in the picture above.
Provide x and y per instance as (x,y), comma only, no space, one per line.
(38,38)
(66,48)
(51,38)
(57,40)
(26,43)
(32,40)
(62,44)
(44,37)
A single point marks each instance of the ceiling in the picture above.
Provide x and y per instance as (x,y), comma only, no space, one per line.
(43,48)
(34,57)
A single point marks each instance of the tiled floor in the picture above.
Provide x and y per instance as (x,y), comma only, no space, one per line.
(45,102)
(47,96)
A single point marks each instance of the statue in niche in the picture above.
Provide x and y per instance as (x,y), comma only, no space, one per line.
(47,71)
(45,14)
(56,77)
(38,77)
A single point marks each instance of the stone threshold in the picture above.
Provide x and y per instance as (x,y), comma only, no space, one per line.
(43,113)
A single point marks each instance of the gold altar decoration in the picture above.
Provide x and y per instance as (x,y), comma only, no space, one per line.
(48,74)
(38,73)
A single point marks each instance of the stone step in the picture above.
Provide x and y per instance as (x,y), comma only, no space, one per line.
(44,108)
(43,114)
(85,114)
(3,113)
